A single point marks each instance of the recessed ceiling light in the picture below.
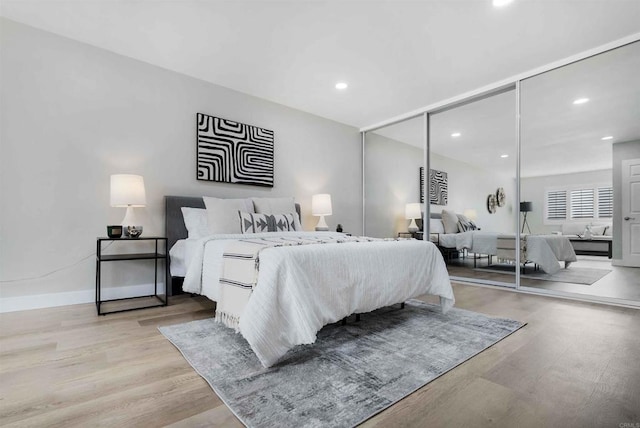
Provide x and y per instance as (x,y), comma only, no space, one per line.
(609,137)
(500,3)
(456,134)
(581,101)
(504,156)
(341,86)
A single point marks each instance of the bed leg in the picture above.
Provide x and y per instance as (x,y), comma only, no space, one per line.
(357,317)
(402,305)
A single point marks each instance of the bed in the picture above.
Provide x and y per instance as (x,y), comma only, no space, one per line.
(301,288)
(543,250)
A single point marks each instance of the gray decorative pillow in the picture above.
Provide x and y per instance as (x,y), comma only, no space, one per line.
(450,221)
(464,224)
(256,223)
(277,206)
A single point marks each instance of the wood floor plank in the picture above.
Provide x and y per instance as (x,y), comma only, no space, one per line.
(573,364)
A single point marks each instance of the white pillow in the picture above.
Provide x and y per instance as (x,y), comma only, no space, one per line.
(277,206)
(574,228)
(195,219)
(223,214)
(257,223)
(436,226)
(598,230)
(450,221)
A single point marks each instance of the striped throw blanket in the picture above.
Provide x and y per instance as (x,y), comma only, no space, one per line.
(240,267)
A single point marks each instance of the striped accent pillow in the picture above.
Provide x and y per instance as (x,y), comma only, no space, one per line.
(464,224)
(257,223)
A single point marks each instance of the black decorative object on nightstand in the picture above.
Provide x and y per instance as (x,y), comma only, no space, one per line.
(156,255)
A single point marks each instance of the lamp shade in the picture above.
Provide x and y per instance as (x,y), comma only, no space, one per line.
(321,204)
(526,207)
(127,190)
(412,211)
(471,214)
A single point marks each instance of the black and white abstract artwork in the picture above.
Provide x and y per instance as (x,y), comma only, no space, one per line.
(438,187)
(233,152)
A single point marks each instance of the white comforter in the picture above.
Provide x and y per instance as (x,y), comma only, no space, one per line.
(302,288)
(544,250)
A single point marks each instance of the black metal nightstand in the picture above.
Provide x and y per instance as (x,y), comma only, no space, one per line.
(414,235)
(158,299)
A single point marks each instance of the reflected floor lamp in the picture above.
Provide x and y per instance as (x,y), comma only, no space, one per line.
(525,207)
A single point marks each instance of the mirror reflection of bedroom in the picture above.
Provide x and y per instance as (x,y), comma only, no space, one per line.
(579,139)
(579,123)
(473,147)
(393,158)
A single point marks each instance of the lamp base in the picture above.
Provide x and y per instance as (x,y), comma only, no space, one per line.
(413,227)
(130,224)
(322,225)
(129,218)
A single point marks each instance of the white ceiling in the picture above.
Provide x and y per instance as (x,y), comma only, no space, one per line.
(396,55)
(557,136)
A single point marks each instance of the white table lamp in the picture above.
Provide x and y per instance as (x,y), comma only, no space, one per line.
(127,190)
(412,212)
(471,214)
(321,206)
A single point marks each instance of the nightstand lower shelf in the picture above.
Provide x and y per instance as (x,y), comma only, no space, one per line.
(130,304)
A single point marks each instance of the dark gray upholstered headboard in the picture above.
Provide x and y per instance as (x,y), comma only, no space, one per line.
(174,223)
(431,215)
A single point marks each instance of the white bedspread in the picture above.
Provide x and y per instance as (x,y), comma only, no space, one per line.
(300,289)
(544,250)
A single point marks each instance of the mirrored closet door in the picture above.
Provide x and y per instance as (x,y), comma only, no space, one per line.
(392,161)
(580,140)
(473,158)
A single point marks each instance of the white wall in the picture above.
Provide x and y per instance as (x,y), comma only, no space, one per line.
(73,114)
(392,180)
(533,190)
(469,187)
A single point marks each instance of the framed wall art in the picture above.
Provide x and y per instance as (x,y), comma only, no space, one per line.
(233,152)
(438,188)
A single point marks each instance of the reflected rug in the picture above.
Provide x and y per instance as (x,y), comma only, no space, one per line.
(573,274)
(351,373)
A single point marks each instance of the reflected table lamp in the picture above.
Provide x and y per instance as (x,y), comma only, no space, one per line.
(320,207)
(525,207)
(412,211)
(127,190)
(471,214)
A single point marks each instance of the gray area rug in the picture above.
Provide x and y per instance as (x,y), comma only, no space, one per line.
(351,373)
(573,274)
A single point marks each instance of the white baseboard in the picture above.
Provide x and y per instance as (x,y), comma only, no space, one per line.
(38,301)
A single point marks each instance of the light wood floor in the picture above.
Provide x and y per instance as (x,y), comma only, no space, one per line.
(573,365)
(621,282)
